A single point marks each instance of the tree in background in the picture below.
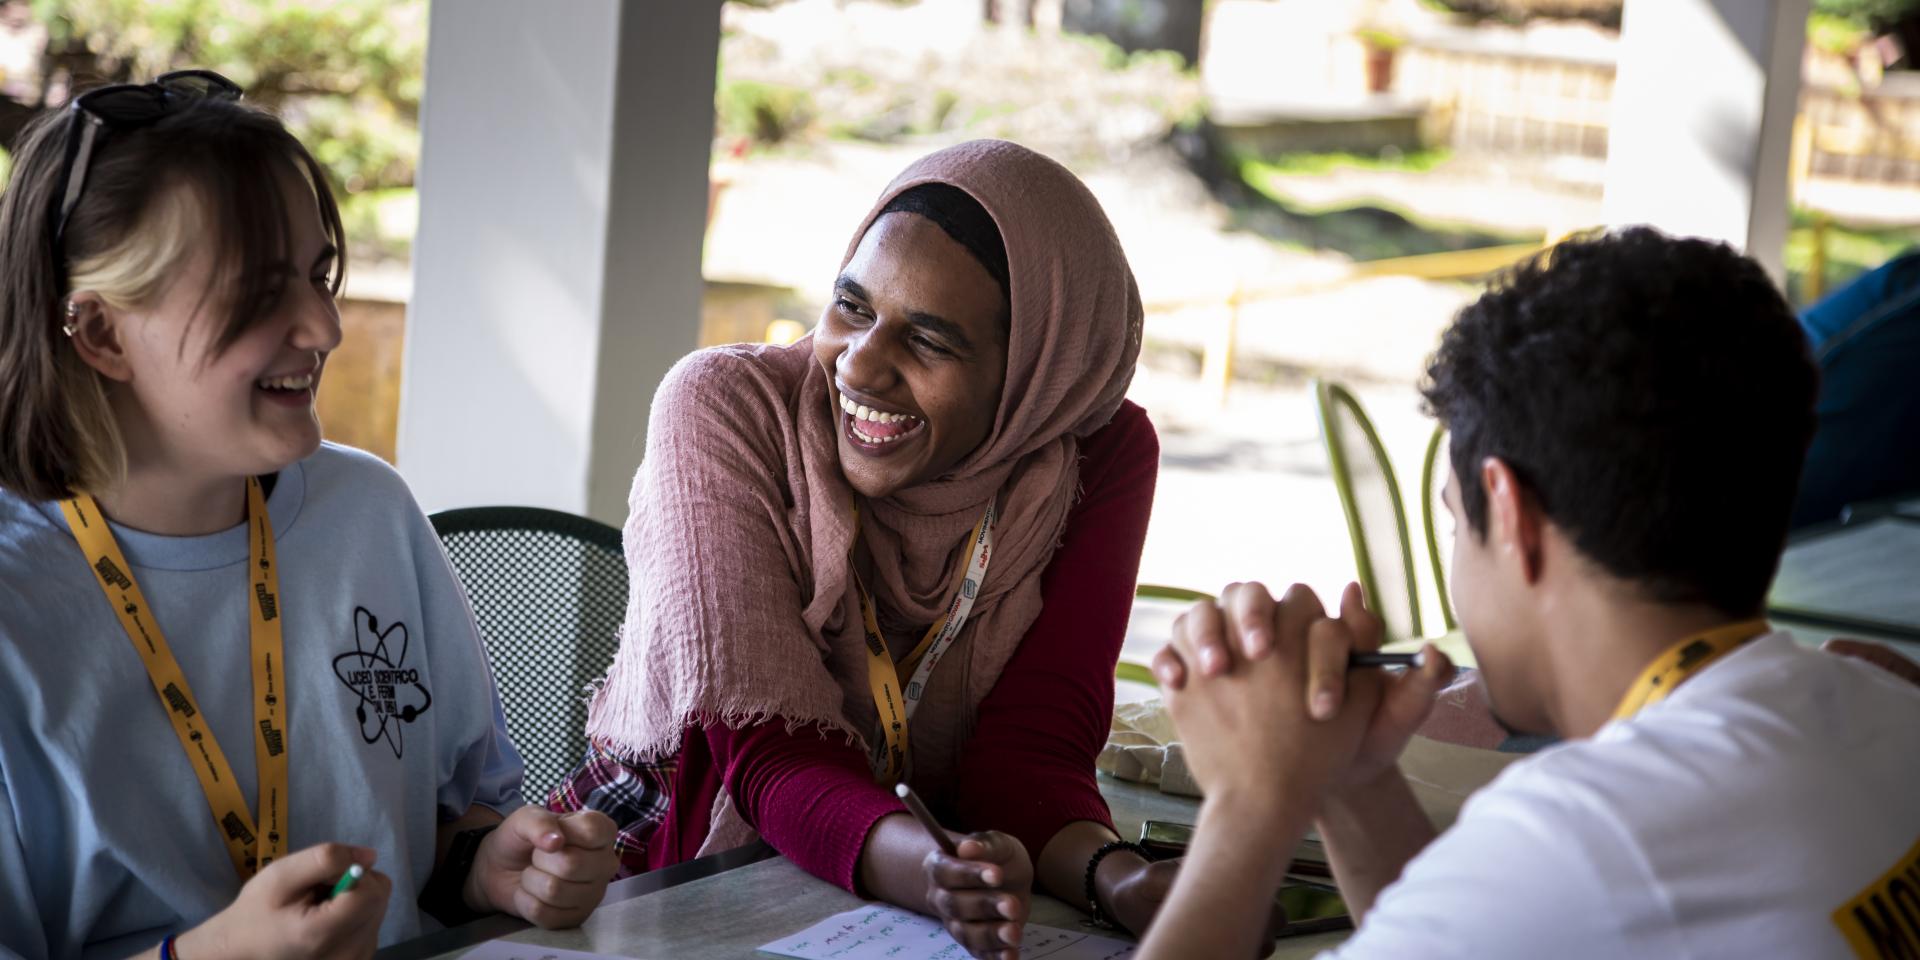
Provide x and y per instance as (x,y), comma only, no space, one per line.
(1605,13)
(1871,18)
(1899,19)
(346,75)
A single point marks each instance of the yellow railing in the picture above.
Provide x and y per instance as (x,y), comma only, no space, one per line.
(1217,355)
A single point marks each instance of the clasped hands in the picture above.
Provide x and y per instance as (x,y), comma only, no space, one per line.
(1271,719)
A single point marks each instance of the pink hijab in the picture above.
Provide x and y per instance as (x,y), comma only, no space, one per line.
(743,607)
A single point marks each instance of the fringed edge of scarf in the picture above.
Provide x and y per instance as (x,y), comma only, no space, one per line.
(607,723)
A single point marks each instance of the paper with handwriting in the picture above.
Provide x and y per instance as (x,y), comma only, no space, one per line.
(878,932)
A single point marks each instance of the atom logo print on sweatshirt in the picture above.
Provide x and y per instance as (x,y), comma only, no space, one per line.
(391,694)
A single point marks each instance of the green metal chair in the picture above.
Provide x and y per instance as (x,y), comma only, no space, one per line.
(1154,591)
(1135,672)
(1376,519)
(1430,486)
(549,592)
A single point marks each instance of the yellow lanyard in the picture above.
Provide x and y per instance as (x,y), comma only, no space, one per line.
(251,848)
(895,707)
(1683,660)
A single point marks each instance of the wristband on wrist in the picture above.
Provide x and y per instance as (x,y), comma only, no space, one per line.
(166,948)
(445,893)
(1100,915)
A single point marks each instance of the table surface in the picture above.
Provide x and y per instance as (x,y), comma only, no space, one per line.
(728,905)
(1858,579)
(711,910)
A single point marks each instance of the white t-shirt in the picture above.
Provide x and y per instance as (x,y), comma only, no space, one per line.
(1768,800)
(393,725)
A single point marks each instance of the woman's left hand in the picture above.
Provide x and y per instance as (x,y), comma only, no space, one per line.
(1135,896)
(983,894)
(1877,654)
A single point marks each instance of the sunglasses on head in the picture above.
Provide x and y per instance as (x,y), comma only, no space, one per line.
(123,106)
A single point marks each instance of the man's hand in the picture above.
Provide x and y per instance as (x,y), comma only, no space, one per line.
(548,869)
(1267,736)
(1245,626)
(1406,697)
(1279,729)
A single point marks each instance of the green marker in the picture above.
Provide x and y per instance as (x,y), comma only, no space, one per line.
(347,880)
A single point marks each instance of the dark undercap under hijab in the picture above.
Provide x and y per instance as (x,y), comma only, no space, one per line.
(963,219)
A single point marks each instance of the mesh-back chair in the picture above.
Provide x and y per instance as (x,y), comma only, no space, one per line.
(1432,481)
(1134,671)
(1376,520)
(549,590)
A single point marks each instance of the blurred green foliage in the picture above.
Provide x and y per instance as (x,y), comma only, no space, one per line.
(764,113)
(1873,14)
(346,75)
(1257,170)
(1850,251)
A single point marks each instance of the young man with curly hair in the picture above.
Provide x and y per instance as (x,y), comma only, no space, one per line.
(1628,419)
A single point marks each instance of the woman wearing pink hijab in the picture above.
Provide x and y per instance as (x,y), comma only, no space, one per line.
(902,549)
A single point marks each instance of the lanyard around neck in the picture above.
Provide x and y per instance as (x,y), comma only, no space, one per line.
(894,706)
(250,847)
(1683,660)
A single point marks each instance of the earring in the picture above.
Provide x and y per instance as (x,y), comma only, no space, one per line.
(73,316)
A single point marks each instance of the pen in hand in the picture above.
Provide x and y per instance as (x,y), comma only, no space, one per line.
(1357,659)
(920,813)
(347,880)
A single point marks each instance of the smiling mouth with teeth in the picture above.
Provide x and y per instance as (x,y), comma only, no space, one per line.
(292,384)
(877,427)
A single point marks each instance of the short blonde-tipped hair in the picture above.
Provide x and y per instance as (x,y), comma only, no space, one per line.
(130,273)
(208,174)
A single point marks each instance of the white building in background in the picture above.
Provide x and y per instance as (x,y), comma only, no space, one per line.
(1703,111)
(563,186)
(563,201)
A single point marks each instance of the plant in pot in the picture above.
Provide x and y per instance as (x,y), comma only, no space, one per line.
(1381,46)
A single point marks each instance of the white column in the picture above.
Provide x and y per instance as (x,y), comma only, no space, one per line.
(563,192)
(1703,114)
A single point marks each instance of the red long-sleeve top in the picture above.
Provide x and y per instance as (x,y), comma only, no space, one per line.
(1027,771)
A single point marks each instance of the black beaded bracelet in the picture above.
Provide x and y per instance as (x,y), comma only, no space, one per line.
(1100,916)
